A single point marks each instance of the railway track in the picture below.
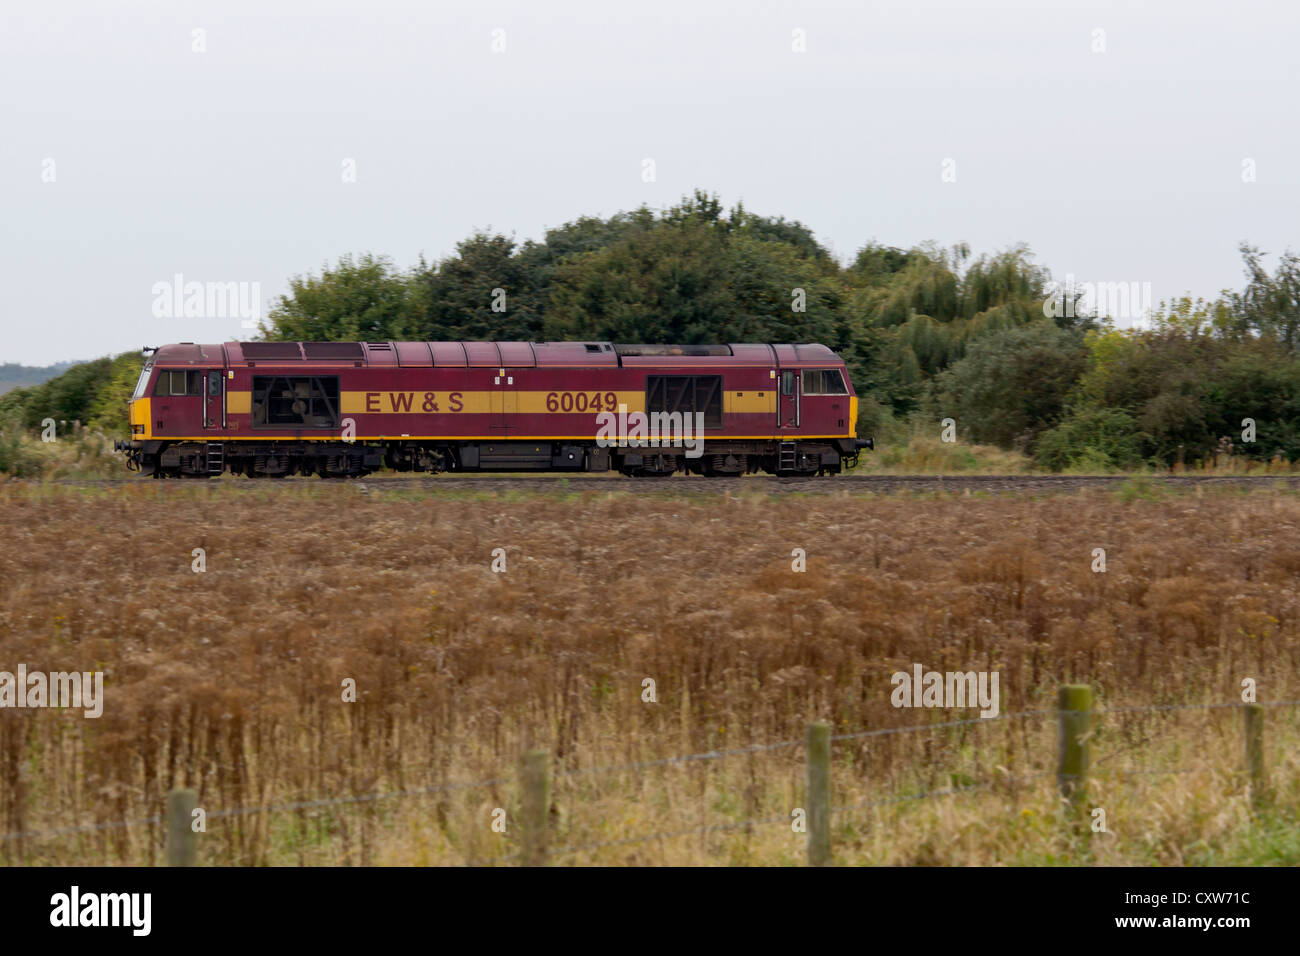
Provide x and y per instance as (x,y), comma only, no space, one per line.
(753,483)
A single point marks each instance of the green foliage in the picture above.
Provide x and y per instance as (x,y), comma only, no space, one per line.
(668,284)
(699,275)
(920,311)
(876,262)
(486,291)
(1012,383)
(1269,306)
(1259,380)
(1091,438)
(1140,488)
(17,454)
(1188,392)
(362,299)
(92,393)
(927,454)
(68,397)
(108,409)
(78,452)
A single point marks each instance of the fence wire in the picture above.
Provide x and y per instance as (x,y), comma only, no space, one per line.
(81,828)
(684,758)
(707,755)
(727,827)
(267,808)
(904,798)
(914,728)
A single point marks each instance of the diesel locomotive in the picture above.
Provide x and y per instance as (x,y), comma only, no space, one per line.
(345,409)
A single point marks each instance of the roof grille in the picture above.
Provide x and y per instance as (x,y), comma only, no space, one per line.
(278,351)
(697,350)
(333,350)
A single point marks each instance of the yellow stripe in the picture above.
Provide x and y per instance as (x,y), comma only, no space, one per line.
(481,402)
(749,402)
(416,403)
(568,402)
(216,433)
(485,402)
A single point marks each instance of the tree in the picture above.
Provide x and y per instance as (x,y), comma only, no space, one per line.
(1257,379)
(1270,305)
(485,291)
(107,411)
(875,263)
(1012,384)
(922,310)
(94,393)
(360,299)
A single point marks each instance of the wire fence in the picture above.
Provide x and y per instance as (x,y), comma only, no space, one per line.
(703,756)
(708,828)
(970,722)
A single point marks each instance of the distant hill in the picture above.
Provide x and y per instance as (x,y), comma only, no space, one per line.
(15,376)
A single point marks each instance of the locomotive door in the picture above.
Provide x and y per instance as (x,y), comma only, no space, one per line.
(214,399)
(505,402)
(788,406)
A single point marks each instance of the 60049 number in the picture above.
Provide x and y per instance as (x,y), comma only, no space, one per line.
(581,402)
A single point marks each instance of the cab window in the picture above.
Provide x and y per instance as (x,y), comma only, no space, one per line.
(142,385)
(823,381)
(179,382)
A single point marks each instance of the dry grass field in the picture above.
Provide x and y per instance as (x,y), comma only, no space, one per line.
(230,681)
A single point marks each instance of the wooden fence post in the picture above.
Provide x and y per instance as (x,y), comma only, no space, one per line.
(536,806)
(818,744)
(1253,724)
(1074,721)
(182,842)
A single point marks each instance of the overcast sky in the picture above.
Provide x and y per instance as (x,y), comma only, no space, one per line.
(133,149)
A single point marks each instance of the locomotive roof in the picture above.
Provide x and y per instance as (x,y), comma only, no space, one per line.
(490,354)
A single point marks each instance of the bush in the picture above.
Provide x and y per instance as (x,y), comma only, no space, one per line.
(1011,385)
(928,455)
(94,392)
(17,456)
(76,452)
(1091,438)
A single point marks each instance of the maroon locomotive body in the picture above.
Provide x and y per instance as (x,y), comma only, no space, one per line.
(338,409)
